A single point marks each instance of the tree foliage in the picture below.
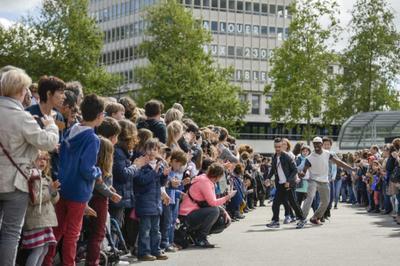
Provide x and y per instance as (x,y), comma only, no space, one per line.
(62,41)
(370,63)
(299,66)
(179,70)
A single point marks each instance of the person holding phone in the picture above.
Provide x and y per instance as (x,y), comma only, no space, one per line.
(200,208)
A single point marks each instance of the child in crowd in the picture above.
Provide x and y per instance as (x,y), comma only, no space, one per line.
(78,172)
(115,110)
(40,215)
(174,188)
(103,191)
(124,172)
(376,185)
(147,188)
(236,179)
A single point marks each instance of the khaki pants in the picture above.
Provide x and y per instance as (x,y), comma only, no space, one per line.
(324,193)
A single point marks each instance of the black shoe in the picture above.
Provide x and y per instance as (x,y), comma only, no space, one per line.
(322,220)
(203,244)
(273,224)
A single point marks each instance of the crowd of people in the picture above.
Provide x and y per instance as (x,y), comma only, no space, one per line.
(73,163)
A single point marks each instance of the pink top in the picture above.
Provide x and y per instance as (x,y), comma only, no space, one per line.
(202,189)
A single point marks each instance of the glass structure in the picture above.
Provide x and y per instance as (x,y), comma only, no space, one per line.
(366,129)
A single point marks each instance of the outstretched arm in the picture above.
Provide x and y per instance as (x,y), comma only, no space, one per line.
(342,164)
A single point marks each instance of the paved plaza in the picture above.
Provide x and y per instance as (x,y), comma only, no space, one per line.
(352,237)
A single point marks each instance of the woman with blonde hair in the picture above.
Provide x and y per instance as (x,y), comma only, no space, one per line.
(20,140)
(174,133)
(172,115)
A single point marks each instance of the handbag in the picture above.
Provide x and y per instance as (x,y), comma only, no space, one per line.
(30,179)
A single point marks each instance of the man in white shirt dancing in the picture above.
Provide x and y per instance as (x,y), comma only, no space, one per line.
(318,165)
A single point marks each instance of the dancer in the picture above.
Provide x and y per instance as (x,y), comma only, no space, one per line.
(318,165)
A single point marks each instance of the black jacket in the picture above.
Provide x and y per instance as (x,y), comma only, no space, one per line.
(288,167)
(157,127)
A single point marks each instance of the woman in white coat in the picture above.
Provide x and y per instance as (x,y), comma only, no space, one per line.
(22,137)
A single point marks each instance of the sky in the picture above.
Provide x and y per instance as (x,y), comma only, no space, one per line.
(11,10)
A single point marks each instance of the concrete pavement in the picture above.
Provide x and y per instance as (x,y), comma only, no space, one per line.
(352,237)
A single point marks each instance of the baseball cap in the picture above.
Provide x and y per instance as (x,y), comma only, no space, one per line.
(317,140)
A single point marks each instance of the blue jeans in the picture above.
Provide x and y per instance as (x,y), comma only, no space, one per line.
(166,220)
(149,235)
(387,204)
(337,186)
(174,216)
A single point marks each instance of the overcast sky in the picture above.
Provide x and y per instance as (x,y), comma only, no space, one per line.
(11,10)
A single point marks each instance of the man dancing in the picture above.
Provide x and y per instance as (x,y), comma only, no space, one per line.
(318,165)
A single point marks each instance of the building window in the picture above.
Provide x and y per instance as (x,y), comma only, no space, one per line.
(222,4)
(255,104)
(232,4)
(256,7)
(231,50)
(188,2)
(239,6)
(214,4)
(264,30)
(280,11)
(272,9)
(239,51)
(197,2)
(272,30)
(248,7)
(206,4)
(330,70)
(214,26)
(264,9)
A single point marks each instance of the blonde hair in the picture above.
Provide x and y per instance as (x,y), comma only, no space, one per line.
(14,82)
(289,145)
(105,156)
(172,115)
(174,129)
(127,138)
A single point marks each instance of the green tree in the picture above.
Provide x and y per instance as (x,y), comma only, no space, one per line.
(370,63)
(299,66)
(62,41)
(179,70)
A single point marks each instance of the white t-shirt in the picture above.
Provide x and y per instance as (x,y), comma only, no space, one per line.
(281,174)
(319,169)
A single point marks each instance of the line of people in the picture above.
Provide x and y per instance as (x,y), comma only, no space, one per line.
(71,162)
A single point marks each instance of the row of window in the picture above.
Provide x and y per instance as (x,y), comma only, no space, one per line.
(244,29)
(133,6)
(238,52)
(239,7)
(121,55)
(125,32)
(126,77)
(253,130)
(121,9)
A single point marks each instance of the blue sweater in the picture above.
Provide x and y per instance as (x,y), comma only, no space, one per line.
(78,156)
(147,189)
(123,175)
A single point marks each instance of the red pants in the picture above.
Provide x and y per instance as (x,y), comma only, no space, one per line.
(376,198)
(97,229)
(69,216)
